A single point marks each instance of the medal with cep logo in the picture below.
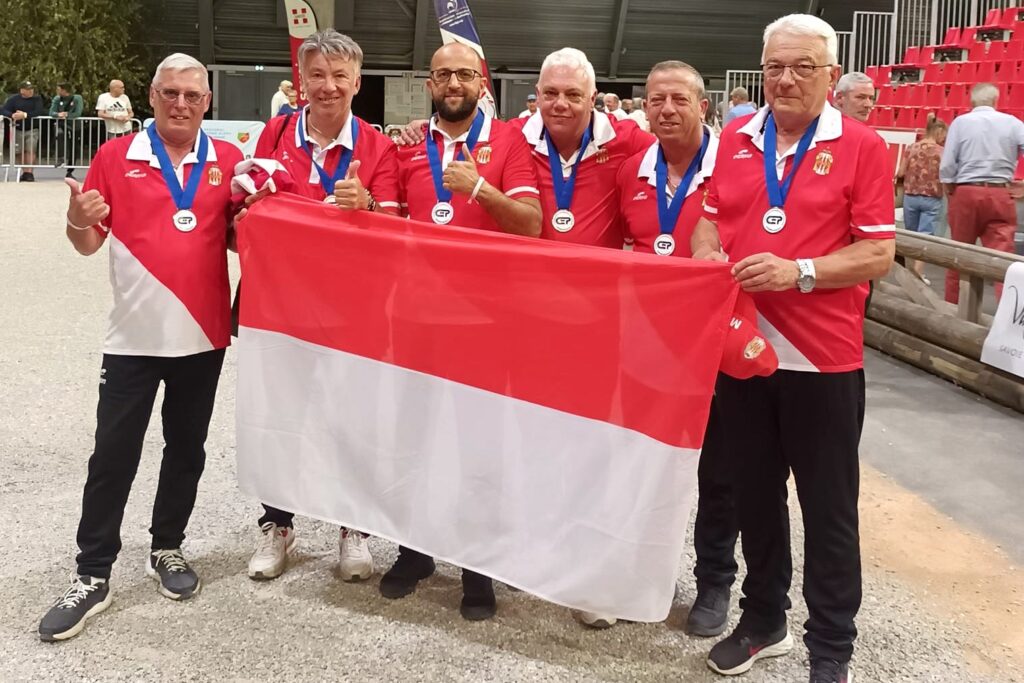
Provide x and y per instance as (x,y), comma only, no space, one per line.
(484,155)
(215,176)
(602,156)
(823,162)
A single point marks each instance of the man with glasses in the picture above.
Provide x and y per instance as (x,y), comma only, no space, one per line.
(472,171)
(802,203)
(161,200)
(333,156)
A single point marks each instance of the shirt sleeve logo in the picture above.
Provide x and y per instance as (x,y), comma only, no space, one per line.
(823,162)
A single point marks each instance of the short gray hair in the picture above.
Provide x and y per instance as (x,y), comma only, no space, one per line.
(674,65)
(574,59)
(740,93)
(851,80)
(180,62)
(984,95)
(805,25)
(330,43)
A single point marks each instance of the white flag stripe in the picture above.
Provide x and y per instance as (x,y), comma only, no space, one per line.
(580,512)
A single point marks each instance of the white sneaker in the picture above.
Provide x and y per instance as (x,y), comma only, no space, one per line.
(272,550)
(594,620)
(356,562)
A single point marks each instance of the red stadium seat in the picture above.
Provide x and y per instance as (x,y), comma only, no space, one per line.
(958,97)
(1018,32)
(935,97)
(992,18)
(915,95)
(967,37)
(946,115)
(986,73)
(883,117)
(968,72)
(927,56)
(978,52)
(950,72)
(886,95)
(996,51)
(1010,16)
(911,55)
(1015,97)
(900,97)
(952,36)
(933,72)
(1014,52)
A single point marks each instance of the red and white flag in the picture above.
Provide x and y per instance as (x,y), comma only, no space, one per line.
(531,410)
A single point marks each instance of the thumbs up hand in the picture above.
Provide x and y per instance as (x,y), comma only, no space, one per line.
(349,194)
(461,176)
(85,208)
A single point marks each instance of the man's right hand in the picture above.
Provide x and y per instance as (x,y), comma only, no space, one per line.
(413,134)
(85,208)
(19,115)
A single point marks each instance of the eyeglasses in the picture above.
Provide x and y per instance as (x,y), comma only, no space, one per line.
(800,71)
(442,76)
(171,95)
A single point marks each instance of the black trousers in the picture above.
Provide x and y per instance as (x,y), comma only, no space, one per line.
(715,530)
(128,387)
(810,424)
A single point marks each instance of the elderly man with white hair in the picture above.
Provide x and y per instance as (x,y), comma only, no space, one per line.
(280,97)
(613,106)
(855,95)
(802,203)
(162,200)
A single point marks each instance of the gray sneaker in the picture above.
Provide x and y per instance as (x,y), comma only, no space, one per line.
(176,579)
(86,597)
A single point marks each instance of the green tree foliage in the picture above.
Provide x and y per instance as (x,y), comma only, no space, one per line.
(84,42)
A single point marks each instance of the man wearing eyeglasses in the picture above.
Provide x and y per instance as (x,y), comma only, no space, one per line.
(336,157)
(161,200)
(802,203)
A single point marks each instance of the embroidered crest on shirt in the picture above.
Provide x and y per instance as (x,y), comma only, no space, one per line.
(602,156)
(483,155)
(215,175)
(823,162)
(754,348)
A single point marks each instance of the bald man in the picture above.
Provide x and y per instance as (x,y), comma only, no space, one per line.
(115,109)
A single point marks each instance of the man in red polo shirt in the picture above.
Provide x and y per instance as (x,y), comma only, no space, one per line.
(162,200)
(578,152)
(335,156)
(661,198)
(806,229)
(471,171)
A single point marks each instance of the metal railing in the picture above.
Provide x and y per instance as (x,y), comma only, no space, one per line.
(50,142)
(751,79)
(873,40)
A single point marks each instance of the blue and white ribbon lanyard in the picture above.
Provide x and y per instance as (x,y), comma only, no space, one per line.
(774,219)
(443,212)
(184,220)
(668,212)
(564,220)
(328,181)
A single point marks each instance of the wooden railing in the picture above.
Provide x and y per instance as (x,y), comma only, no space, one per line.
(911,322)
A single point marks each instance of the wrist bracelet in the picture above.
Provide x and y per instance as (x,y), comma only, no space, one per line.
(75,227)
(371,203)
(476,189)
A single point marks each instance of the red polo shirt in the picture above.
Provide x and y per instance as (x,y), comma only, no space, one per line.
(376,153)
(501,156)
(638,199)
(171,292)
(841,192)
(595,202)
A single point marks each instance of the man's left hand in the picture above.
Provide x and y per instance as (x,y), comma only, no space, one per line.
(1017,189)
(349,194)
(766,272)
(461,176)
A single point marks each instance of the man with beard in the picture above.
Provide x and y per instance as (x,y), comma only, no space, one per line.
(471,171)
(334,156)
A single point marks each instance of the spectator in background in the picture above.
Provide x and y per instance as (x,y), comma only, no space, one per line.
(66,107)
(741,105)
(280,97)
(627,106)
(292,105)
(639,114)
(978,163)
(531,107)
(21,109)
(922,190)
(599,102)
(115,109)
(611,106)
(855,95)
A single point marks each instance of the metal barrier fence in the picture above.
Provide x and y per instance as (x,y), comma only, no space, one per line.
(49,142)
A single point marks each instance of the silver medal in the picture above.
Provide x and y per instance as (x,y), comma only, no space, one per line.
(664,245)
(185,220)
(774,220)
(563,220)
(442,213)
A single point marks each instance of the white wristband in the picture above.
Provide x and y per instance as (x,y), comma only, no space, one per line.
(75,227)
(476,189)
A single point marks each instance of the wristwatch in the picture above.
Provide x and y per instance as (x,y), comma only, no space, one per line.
(806,280)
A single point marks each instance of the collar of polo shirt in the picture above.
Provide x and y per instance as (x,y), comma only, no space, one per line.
(830,127)
(649,163)
(344,136)
(142,150)
(603,134)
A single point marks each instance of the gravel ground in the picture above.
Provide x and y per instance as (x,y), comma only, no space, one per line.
(308,625)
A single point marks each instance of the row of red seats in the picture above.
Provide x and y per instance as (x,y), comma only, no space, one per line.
(917,117)
(1007,71)
(918,57)
(955,96)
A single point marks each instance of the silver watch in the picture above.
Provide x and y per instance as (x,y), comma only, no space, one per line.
(806,280)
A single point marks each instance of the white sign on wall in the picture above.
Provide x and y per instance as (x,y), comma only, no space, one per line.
(1004,347)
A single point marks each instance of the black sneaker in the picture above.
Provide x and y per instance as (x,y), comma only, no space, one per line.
(27,177)
(86,597)
(738,652)
(410,568)
(176,579)
(710,611)
(478,601)
(825,670)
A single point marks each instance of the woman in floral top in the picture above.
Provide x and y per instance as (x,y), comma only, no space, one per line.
(922,190)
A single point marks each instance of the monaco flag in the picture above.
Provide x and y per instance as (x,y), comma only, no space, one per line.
(531,410)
